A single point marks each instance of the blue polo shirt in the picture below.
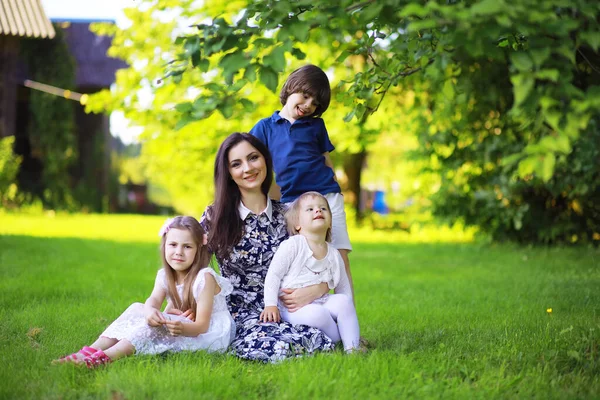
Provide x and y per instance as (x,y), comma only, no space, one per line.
(297,150)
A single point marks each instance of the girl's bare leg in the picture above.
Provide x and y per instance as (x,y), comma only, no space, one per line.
(122,348)
(103,343)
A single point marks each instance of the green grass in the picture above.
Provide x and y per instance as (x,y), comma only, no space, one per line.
(447,320)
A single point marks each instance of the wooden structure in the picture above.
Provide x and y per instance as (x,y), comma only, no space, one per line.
(18,19)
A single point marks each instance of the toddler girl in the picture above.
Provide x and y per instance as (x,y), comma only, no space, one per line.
(187,283)
(305,259)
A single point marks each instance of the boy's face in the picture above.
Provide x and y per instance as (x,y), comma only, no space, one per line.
(299,105)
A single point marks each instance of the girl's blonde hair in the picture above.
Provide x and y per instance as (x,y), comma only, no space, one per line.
(201,260)
(292,215)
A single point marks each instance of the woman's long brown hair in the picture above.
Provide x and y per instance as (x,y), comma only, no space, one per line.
(226,226)
(201,260)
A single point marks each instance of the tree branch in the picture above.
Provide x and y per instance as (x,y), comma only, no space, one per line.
(588,61)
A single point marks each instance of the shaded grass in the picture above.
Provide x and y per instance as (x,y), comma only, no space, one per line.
(446,321)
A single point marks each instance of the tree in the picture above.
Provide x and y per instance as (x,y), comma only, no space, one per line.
(525,68)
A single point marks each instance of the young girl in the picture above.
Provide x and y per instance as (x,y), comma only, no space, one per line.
(306,258)
(187,283)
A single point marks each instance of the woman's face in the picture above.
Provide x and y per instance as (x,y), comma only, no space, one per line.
(247,167)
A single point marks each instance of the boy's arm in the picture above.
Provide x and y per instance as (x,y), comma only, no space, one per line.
(275,191)
(329,163)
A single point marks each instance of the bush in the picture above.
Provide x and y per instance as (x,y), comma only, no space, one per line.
(9,167)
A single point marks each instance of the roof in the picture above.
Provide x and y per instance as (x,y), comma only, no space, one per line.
(25,18)
(94,68)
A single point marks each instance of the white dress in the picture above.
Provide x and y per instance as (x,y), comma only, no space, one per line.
(131,325)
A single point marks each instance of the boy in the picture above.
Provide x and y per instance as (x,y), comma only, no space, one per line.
(299,144)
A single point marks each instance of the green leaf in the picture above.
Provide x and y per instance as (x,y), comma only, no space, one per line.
(522,85)
(343,55)
(192,45)
(203,65)
(250,72)
(415,26)
(521,60)
(548,74)
(185,119)
(487,7)
(548,167)
(300,30)
(233,62)
(269,78)
(299,54)
(592,38)
(276,59)
(350,115)
(248,105)
(263,42)
(226,109)
(414,9)
(448,90)
(370,12)
(567,52)
(505,21)
(510,160)
(553,119)
(528,165)
(563,144)
(184,107)
(540,55)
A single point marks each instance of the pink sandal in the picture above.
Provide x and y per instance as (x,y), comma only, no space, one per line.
(86,351)
(97,359)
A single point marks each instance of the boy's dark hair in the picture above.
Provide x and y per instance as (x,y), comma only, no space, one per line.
(308,79)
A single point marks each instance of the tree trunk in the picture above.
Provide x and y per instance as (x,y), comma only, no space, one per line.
(353,166)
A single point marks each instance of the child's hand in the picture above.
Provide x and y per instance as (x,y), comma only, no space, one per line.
(154,317)
(174,327)
(270,314)
(189,314)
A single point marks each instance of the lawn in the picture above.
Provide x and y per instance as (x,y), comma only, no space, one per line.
(445,319)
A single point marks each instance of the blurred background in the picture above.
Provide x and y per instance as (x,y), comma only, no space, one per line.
(463,114)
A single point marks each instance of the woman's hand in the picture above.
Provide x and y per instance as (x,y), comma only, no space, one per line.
(154,317)
(295,299)
(270,314)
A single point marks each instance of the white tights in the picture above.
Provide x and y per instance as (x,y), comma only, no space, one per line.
(336,316)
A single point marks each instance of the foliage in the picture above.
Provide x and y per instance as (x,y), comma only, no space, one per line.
(445,320)
(541,51)
(502,96)
(51,129)
(9,167)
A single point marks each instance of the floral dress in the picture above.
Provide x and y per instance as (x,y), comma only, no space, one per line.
(246,268)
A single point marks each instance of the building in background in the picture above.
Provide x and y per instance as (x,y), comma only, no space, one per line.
(27,42)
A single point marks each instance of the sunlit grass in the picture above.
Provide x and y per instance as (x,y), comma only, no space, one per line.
(122,227)
(116,227)
(446,319)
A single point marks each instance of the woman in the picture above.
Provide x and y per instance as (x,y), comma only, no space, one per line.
(245,229)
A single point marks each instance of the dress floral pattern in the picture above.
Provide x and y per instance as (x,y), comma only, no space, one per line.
(246,268)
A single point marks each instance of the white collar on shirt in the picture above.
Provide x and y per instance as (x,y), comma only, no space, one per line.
(244,211)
